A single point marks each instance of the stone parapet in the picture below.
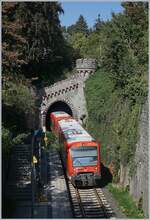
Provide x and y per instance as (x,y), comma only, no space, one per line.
(69,91)
(86,64)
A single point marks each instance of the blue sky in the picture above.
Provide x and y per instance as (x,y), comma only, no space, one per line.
(89,10)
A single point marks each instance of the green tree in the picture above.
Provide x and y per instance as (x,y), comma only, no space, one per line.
(79,27)
(115,96)
(137,11)
(79,42)
(71,29)
(32,37)
(98,24)
(12,41)
(17,103)
(126,52)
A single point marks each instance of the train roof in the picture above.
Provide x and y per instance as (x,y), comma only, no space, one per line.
(60,113)
(73,131)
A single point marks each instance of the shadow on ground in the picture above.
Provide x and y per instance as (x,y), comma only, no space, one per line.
(106,176)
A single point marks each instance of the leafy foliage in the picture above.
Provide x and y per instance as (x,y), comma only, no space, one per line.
(52,140)
(17,95)
(123,50)
(115,95)
(33,46)
(112,120)
(17,102)
(33,43)
(19,138)
(120,45)
(79,27)
(78,41)
(8,141)
(98,24)
(13,41)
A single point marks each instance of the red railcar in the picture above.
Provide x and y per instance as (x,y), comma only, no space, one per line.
(55,117)
(81,153)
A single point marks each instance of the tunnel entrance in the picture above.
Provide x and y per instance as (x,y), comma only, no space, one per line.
(57,106)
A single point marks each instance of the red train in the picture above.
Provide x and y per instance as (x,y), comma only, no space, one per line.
(81,153)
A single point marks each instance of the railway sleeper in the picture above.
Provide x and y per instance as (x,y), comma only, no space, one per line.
(89,204)
(94,213)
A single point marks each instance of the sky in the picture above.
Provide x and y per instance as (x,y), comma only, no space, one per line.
(89,10)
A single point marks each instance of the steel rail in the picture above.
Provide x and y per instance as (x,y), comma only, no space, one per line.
(87,203)
(101,203)
(93,210)
(82,209)
(80,202)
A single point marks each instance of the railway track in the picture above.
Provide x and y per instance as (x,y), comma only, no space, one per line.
(89,203)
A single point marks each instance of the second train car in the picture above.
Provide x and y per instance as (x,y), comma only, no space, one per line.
(81,153)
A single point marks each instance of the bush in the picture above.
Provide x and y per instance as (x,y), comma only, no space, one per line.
(8,141)
(17,103)
(113,119)
(18,95)
(19,138)
(52,141)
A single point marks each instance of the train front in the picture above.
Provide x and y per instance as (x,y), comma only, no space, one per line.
(85,161)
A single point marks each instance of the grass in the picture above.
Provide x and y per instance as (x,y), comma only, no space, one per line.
(125,201)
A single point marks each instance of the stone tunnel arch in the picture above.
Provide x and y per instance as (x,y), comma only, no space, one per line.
(67,95)
(57,106)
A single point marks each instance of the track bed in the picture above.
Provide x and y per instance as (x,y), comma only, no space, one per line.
(89,203)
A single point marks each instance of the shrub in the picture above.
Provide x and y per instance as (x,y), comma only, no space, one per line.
(51,140)
(19,138)
(113,119)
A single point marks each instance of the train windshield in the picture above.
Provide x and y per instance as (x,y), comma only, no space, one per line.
(84,156)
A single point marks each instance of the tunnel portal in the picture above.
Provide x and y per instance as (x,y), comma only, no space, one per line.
(57,106)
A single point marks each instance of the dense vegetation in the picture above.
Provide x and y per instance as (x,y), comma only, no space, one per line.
(116,93)
(33,43)
(37,51)
(34,52)
(113,120)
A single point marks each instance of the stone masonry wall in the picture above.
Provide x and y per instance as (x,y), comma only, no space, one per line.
(138,183)
(69,91)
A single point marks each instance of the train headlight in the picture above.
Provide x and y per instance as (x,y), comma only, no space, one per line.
(75,170)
